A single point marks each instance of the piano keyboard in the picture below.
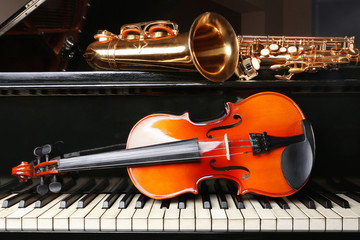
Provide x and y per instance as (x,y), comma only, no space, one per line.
(210,211)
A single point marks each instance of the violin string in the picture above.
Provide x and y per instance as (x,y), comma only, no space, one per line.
(222,139)
(234,147)
(224,155)
(213,156)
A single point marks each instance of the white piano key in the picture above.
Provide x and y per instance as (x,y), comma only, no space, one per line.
(123,220)
(267,218)
(354,205)
(317,222)
(218,215)
(251,218)
(171,217)
(202,215)
(140,217)
(284,221)
(187,215)
(61,219)
(156,217)
(30,220)
(4,213)
(92,220)
(235,218)
(108,219)
(301,221)
(13,221)
(77,219)
(3,199)
(350,221)
(45,220)
(333,222)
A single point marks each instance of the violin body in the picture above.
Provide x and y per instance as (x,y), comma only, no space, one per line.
(262,143)
(225,148)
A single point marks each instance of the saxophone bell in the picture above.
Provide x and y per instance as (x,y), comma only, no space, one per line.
(210,48)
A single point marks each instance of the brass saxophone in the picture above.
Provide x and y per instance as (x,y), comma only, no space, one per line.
(212,48)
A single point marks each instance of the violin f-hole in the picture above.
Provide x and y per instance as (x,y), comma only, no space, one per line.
(230,168)
(236,116)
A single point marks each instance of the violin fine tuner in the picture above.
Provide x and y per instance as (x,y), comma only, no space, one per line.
(263,143)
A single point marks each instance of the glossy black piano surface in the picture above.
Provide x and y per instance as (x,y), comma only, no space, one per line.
(84,109)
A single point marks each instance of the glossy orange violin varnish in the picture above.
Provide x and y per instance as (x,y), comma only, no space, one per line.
(263,143)
(227,149)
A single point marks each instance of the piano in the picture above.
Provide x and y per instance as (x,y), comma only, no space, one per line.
(80,110)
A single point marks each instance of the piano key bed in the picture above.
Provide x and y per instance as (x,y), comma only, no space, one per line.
(112,206)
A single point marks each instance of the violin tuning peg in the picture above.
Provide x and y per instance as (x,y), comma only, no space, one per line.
(55,187)
(43,150)
(42,189)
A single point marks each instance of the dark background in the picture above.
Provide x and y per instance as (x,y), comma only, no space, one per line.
(86,121)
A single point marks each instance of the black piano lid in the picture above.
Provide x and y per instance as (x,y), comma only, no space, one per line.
(345,77)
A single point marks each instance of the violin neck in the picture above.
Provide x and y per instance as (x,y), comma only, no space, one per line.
(172,152)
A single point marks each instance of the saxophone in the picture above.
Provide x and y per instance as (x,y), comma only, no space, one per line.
(294,54)
(212,48)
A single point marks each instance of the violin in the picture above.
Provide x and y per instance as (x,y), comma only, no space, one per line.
(263,143)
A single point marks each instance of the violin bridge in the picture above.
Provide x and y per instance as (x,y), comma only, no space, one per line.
(226,141)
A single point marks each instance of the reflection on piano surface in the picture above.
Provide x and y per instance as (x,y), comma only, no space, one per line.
(114,205)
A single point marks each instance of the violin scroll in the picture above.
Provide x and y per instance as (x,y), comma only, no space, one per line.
(24,171)
(263,143)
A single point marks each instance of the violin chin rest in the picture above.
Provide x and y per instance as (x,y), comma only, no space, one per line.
(297,159)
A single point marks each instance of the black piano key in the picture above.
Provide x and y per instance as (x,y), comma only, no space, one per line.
(28,200)
(220,195)
(74,196)
(21,195)
(125,200)
(205,196)
(264,201)
(306,200)
(353,195)
(43,200)
(337,199)
(8,186)
(4,195)
(109,201)
(140,202)
(331,196)
(182,201)
(349,189)
(85,200)
(325,202)
(282,203)
(15,187)
(237,199)
(165,204)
